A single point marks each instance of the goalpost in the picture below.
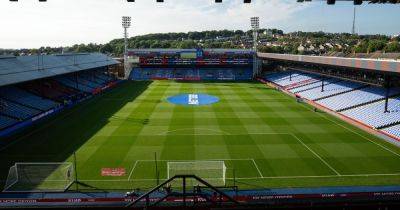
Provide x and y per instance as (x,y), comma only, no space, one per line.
(213,172)
(39,177)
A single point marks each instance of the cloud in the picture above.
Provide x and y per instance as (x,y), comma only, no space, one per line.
(29,23)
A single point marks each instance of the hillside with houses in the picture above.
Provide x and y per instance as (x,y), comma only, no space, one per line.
(270,40)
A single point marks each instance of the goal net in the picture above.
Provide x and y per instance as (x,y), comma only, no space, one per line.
(212,172)
(39,177)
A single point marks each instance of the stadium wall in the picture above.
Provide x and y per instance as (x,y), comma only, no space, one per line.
(272,197)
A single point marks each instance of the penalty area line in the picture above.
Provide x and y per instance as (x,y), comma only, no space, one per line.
(354,131)
(319,157)
(198,160)
(255,164)
(133,168)
(265,177)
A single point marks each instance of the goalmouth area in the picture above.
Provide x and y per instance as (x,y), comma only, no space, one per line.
(261,138)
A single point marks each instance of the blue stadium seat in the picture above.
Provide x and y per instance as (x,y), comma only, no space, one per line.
(394,130)
(330,89)
(356,97)
(15,94)
(18,111)
(192,73)
(364,104)
(6,122)
(373,114)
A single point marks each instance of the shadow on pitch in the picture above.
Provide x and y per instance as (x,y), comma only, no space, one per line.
(57,138)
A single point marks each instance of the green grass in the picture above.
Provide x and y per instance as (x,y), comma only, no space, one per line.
(266,137)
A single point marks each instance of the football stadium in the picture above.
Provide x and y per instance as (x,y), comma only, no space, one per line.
(199,128)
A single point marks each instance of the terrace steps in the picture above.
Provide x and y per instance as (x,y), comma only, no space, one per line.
(366,103)
(9,116)
(336,94)
(24,105)
(36,94)
(389,125)
(302,85)
(333,81)
(359,105)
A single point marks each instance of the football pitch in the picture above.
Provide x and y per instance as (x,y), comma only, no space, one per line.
(264,137)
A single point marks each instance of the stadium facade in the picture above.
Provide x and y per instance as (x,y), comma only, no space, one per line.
(191,64)
(365,92)
(35,87)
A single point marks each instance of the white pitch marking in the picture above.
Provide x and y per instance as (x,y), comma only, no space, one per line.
(206,129)
(327,176)
(351,130)
(249,159)
(380,145)
(133,168)
(220,133)
(193,99)
(319,157)
(255,164)
(265,177)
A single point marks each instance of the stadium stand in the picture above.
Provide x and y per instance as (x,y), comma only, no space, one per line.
(393,130)
(291,79)
(191,64)
(51,89)
(80,84)
(84,81)
(191,73)
(6,122)
(68,81)
(356,98)
(27,91)
(358,101)
(330,89)
(312,85)
(25,98)
(374,115)
(18,111)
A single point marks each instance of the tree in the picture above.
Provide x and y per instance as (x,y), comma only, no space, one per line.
(375,45)
(188,44)
(106,48)
(362,47)
(392,47)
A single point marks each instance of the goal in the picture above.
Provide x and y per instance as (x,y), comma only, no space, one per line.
(213,172)
(39,177)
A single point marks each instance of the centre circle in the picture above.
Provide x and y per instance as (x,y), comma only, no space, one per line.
(193,99)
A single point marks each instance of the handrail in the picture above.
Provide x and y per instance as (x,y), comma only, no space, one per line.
(183,194)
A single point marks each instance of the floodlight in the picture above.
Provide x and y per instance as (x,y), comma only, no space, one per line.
(255,23)
(126,21)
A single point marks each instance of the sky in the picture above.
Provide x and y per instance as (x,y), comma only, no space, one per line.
(31,24)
